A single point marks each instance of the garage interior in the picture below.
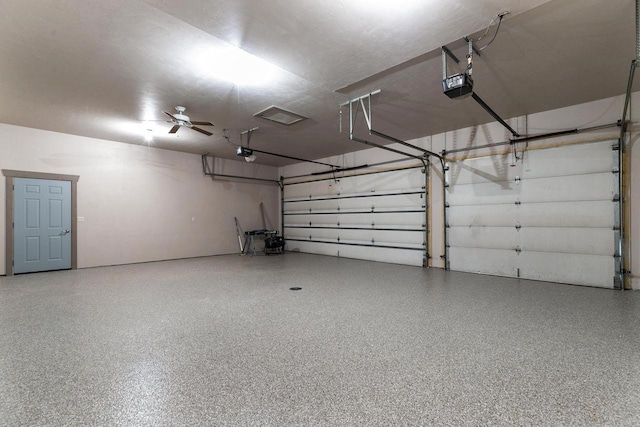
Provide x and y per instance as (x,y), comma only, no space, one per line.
(456,185)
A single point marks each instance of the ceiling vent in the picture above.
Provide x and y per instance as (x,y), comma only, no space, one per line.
(278,115)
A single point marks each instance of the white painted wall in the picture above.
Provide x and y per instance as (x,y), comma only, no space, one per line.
(591,114)
(138,202)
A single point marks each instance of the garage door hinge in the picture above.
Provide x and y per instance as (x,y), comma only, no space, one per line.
(616,198)
(518,226)
(518,250)
(615,170)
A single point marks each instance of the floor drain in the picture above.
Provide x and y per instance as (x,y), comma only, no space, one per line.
(294,289)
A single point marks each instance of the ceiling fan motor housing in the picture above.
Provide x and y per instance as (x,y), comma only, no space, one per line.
(181,117)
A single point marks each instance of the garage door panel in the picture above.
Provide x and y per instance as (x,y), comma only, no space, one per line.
(381,220)
(484,261)
(414,201)
(384,181)
(485,170)
(567,214)
(396,237)
(314,234)
(484,194)
(559,214)
(482,215)
(552,216)
(583,160)
(572,160)
(311,248)
(585,241)
(395,256)
(586,270)
(483,237)
(313,189)
(349,216)
(570,188)
(360,236)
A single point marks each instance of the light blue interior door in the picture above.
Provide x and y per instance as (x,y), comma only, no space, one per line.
(42,225)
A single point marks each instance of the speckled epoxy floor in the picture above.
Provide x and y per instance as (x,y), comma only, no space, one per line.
(223,341)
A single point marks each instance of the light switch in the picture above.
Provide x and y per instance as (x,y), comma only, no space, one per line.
(80,219)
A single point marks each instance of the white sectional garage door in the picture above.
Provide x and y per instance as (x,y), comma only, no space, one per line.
(551,216)
(375,216)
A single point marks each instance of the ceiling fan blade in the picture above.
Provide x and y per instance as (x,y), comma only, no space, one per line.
(201,130)
(202,123)
(174,129)
(170,115)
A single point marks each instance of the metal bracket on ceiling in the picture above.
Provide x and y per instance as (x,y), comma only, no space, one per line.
(468,40)
(364,102)
(248,132)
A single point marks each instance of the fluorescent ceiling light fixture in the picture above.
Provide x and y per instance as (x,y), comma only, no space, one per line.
(234,65)
(279,115)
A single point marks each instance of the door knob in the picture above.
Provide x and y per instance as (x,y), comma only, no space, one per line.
(65,232)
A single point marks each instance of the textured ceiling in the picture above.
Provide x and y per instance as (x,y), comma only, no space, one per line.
(103,69)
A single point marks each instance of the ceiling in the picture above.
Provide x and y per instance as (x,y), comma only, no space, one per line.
(107,69)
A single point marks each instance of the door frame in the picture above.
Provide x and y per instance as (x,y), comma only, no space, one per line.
(10,175)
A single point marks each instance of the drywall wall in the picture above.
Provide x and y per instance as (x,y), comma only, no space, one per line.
(601,112)
(141,203)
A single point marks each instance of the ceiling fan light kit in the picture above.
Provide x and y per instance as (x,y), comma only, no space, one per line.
(180,119)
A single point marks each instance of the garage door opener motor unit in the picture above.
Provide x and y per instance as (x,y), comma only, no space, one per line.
(458,86)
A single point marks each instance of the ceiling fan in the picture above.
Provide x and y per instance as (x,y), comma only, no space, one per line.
(181,119)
